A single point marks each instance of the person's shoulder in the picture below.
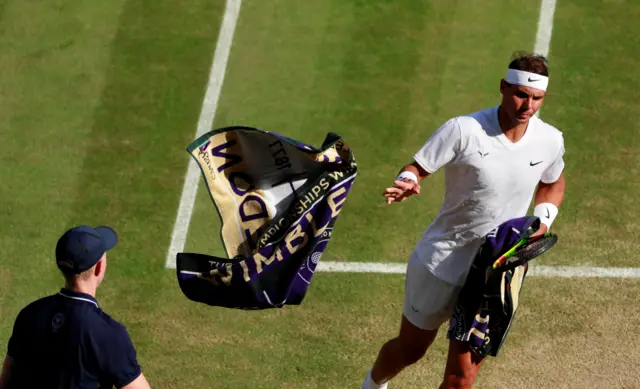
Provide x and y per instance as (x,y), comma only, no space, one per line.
(43,301)
(108,333)
(478,120)
(544,126)
(108,323)
(482,114)
(547,130)
(113,337)
(35,307)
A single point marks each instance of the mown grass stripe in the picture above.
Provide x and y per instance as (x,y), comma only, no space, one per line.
(207,114)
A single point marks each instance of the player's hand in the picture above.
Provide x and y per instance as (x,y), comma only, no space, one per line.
(401,190)
(542,230)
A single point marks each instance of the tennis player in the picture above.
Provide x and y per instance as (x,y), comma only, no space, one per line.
(494,162)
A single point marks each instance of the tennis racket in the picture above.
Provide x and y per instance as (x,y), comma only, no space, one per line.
(525,250)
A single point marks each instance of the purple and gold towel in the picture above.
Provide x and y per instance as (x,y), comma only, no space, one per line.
(278,200)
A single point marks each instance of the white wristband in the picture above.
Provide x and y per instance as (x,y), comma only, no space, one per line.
(408,175)
(547,213)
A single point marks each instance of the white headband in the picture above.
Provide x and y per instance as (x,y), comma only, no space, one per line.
(533,80)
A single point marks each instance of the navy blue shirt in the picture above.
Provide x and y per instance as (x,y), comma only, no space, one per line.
(67,341)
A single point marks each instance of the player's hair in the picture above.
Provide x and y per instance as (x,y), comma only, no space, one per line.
(530,62)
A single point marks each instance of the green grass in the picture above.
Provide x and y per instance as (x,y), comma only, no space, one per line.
(52,72)
(595,103)
(99,101)
(332,339)
(94,135)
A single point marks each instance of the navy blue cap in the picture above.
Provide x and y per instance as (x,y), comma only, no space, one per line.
(81,247)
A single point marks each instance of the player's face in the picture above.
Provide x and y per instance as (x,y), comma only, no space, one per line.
(520,102)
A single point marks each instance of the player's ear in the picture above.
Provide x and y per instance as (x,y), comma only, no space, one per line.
(503,85)
(97,269)
(100,266)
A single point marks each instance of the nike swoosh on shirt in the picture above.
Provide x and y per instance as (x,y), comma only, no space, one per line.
(531,163)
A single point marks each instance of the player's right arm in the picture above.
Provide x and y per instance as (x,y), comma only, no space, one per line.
(5,376)
(404,187)
(440,149)
(121,362)
(138,383)
(15,350)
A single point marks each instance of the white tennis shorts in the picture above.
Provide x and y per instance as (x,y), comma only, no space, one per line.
(428,300)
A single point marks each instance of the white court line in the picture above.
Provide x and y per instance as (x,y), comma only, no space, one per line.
(545,26)
(543,40)
(207,114)
(534,271)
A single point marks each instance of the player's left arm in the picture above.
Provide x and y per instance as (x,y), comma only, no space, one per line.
(14,350)
(5,376)
(550,192)
(548,198)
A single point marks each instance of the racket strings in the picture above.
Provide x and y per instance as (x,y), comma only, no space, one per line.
(533,249)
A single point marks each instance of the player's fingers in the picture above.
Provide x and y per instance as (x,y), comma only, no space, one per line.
(541,231)
(401,191)
(392,190)
(390,195)
(409,185)
(537,233)
(396,191)
(405,185)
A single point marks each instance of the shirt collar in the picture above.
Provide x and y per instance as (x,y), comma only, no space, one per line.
(78,296)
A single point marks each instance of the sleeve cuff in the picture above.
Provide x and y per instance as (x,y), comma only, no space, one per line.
(124,381)
(556,178)
(423,165)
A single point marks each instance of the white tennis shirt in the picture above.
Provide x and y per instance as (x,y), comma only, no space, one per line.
(488,180)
